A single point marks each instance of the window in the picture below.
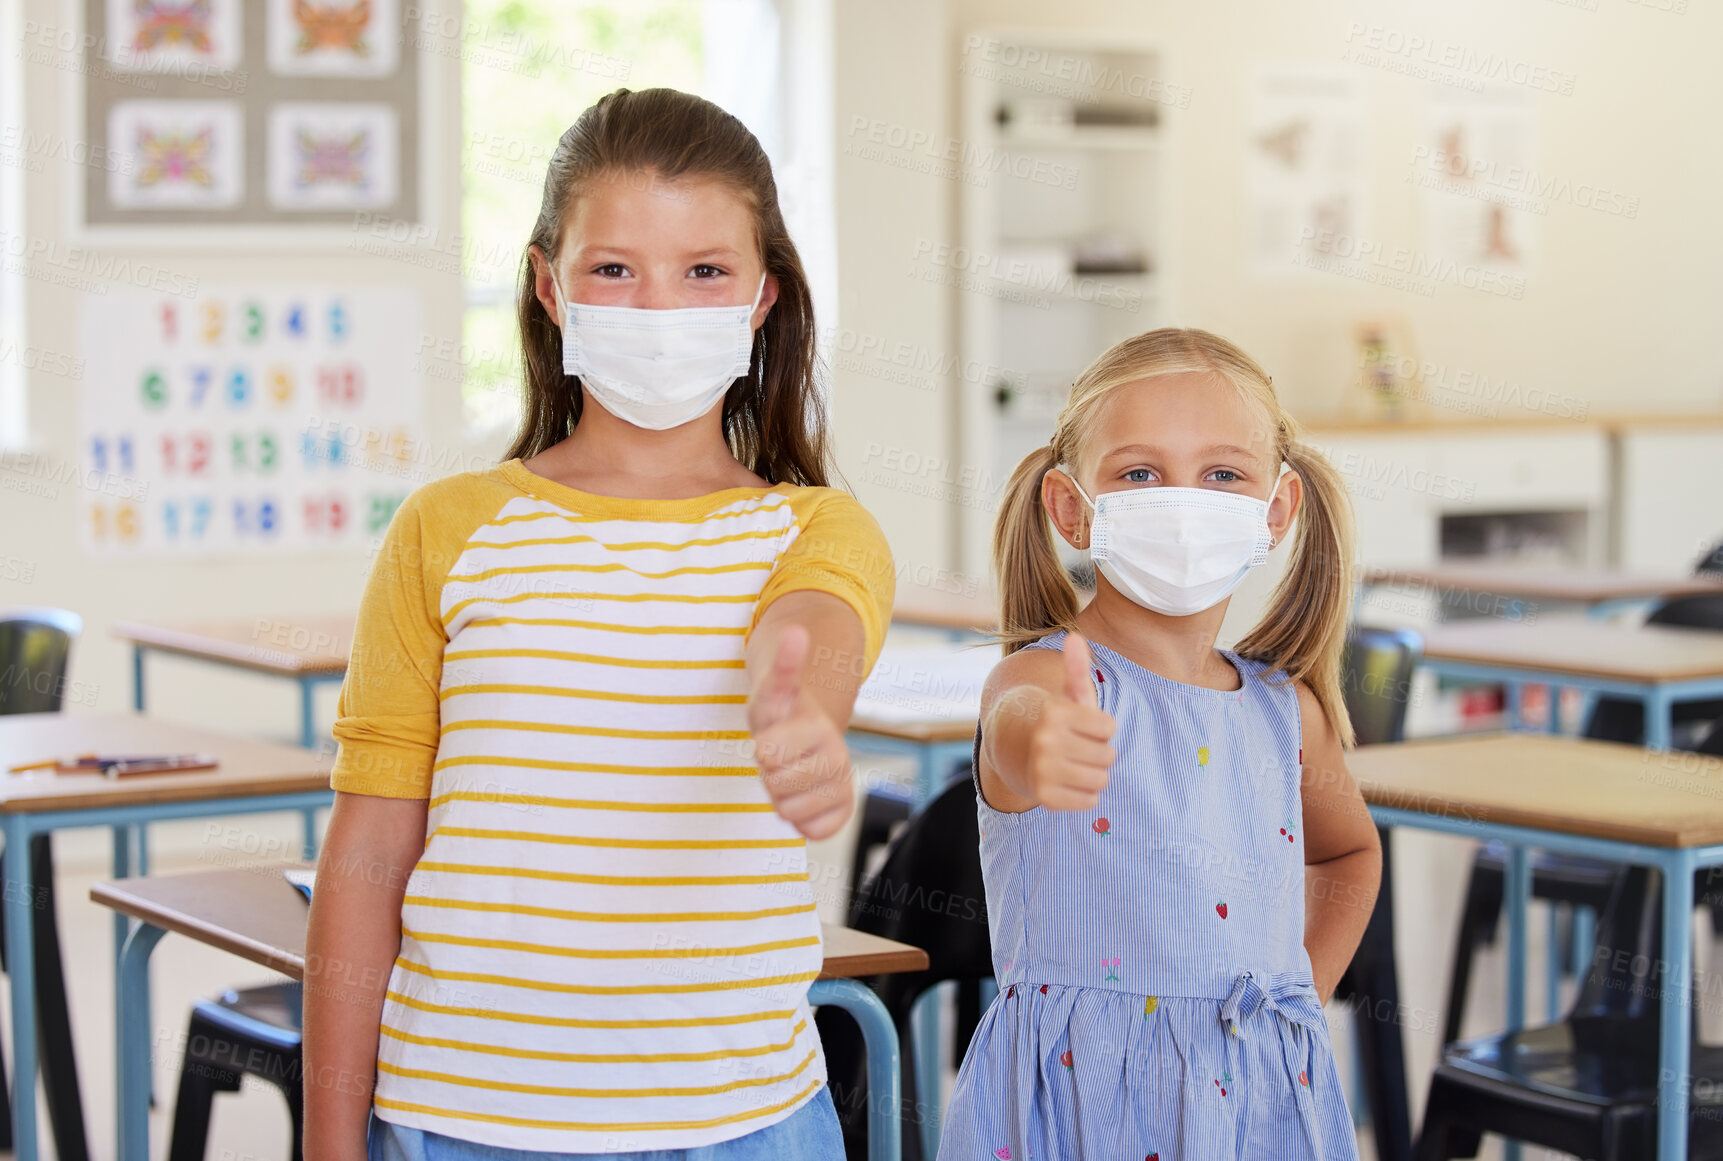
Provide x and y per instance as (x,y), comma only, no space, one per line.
(529,71)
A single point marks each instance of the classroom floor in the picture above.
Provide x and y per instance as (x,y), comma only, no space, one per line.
(252,1124)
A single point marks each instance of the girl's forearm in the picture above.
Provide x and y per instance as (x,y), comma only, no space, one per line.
(350,948)
(1005,733)
(1339,896)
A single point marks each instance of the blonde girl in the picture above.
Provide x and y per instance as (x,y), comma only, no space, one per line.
(1178,865)
(596,705)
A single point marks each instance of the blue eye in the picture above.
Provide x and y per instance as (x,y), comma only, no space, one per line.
(1139,475)
(1225,475)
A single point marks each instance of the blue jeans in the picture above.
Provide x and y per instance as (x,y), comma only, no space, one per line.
(811,1133)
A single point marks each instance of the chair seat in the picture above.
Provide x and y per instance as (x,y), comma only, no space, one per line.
(1620,1068)
(270,1015)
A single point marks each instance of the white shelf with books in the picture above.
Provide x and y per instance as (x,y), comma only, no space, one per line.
(1062,225)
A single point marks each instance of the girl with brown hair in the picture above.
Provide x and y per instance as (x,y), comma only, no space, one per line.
(563,906)
(1178,864)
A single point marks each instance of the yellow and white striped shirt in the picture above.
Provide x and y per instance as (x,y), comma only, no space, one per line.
(608,941)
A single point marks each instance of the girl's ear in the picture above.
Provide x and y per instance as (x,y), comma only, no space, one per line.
(1283,506)
(1070,515)
(544,289)
(768,296)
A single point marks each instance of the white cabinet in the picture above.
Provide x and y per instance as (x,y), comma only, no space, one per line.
(1669,495)
(1411,490)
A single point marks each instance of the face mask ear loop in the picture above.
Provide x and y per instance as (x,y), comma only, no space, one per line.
(1080,492)
(561,301)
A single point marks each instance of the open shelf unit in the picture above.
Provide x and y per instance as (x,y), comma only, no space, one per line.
(1062,236)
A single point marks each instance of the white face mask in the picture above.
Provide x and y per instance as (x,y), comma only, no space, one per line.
(657,369)
(1177,551)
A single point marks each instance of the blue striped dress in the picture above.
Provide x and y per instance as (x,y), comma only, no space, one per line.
(1155,996)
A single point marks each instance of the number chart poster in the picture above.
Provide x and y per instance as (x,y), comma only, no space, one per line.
(253,421)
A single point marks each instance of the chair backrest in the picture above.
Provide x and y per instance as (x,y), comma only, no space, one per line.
(1712,561)
(929,892)
(1623,985)
(1698,611)
(35,649)
(1376,680)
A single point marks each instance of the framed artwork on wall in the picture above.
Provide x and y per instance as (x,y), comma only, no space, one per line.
(226,122)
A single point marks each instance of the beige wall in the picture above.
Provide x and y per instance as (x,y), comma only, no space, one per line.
(1618,312)
(41,561)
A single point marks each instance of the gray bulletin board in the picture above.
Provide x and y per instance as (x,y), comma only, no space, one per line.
(249,113)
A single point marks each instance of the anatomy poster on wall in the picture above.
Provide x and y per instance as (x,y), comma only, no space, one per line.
(1477,170)
(1306,160)
(249,420)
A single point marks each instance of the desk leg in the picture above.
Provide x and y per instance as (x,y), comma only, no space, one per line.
(924,1051)
(308,817)
(138,677)
(1512,692)
(926,775)
(1552,963)
(1516,888)
(1554,721)
(1674,1048)
(307,713)
(21,959)
(1659,716)
(884,1080)
(132,1024)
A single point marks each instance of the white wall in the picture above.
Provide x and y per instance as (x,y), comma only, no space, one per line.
(40,558)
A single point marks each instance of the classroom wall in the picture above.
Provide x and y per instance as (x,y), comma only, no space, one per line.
(41,561)
(1617,310)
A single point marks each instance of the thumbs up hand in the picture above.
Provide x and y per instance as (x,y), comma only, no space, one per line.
(1069,751)
(800,751)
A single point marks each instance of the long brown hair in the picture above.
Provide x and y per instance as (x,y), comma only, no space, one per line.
(774,417)
(1304,629)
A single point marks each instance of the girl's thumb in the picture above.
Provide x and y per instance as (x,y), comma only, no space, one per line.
(1078,665)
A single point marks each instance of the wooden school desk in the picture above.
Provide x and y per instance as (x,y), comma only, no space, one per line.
(1579,586)
(961,614)
(312,651)
(1653,664)
(257,915)
(1597,799)
(252,777)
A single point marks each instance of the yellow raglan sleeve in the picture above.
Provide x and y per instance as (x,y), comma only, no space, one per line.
(839,550)
(389,720)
